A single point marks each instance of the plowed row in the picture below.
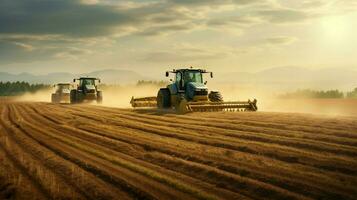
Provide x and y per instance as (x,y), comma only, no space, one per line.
(91,152)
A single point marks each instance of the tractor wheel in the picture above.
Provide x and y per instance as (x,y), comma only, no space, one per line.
(215,96)
(163,98)
(73,96)
(99,97)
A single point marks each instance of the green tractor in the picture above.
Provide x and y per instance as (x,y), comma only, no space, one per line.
(189,93)
(86,91)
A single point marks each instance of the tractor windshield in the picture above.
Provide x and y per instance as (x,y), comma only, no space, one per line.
(87,82)
(193,76)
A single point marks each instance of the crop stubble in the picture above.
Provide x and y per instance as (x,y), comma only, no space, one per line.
(92,152)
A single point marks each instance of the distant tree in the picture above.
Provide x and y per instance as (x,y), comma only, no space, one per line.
(352,94)
(307,93)
(19,88)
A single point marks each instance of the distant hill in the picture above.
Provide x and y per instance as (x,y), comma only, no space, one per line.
(109,76)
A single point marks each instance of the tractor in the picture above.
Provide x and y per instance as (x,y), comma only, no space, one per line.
(86,91)
(62,93)
(189,93)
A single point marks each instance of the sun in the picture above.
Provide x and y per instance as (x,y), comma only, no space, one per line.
(336,29)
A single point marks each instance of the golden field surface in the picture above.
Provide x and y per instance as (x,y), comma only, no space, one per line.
(50,151)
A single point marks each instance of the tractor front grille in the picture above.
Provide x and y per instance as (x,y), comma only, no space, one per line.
(91,91)
(201,93)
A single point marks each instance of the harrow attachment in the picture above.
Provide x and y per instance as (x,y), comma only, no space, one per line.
(199,106)
(145,102)
(231,106)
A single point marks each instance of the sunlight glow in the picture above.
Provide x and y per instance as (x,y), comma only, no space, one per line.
(336,30)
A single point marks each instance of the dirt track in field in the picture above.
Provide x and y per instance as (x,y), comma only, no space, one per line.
(91,152)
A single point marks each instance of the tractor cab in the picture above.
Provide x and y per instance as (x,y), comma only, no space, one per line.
(61,93)
(190,83)
(86,81)
(185,77)
(87,84)
(62,87)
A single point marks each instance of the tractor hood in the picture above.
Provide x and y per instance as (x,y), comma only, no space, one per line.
(194,89)
(197,86)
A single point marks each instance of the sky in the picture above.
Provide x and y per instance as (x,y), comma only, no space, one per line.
(151,36)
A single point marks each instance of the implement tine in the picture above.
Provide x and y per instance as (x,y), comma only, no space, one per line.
(143,102)
(222,106)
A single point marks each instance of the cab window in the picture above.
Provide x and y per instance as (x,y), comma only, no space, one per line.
(178,77)
(179,80)
(87,82)
(193,76)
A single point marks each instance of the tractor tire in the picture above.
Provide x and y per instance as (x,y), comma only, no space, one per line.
(99,97)
(215,96)
(73,96)
(163,98)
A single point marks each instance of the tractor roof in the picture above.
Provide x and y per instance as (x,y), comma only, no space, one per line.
(88,78)
(190,69)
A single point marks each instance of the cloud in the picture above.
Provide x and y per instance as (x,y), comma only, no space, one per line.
(103,18)
(233,22)
(162,29)
(209,3)
(345,5)
(24,46)
(71,53)
(187,53)
(65,17)
(280,40)
(169,56)
(281,15)
(90,2)
(91,18)
(312,4)
(68,29)
(13,51)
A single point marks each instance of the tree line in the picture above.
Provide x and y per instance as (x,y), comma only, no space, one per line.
(19,88)
(320,94)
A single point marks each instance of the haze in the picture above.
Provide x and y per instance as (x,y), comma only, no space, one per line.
(150,36)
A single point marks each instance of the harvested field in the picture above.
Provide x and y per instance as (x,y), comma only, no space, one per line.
(50,151)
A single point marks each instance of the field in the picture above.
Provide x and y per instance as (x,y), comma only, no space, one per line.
(50,151)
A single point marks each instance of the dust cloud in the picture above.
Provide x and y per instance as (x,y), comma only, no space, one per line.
(120,96)
(269,102)
(113,96)
(39,96)
(334,107)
